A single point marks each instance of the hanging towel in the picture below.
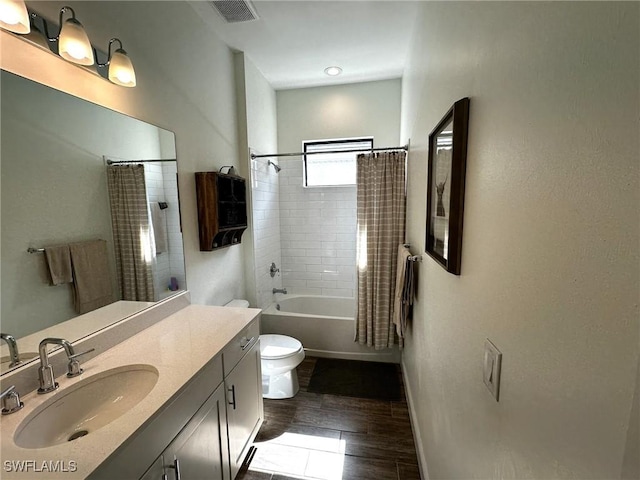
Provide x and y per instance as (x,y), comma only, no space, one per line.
(59,264)
(91,279)
(159,222)
(403,297)
(408,292)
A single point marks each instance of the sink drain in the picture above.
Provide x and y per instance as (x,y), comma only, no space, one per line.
(78,434)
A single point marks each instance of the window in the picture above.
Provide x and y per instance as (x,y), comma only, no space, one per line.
(330,169)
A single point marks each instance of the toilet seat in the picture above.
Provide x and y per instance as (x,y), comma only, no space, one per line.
(275,347)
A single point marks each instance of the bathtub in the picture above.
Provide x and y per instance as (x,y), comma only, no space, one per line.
(325,326)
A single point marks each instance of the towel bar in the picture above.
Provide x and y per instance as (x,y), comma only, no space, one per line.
(413,258)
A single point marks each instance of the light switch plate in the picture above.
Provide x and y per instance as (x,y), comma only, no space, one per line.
(491,370)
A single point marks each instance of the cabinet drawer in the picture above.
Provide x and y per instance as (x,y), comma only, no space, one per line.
(240,345)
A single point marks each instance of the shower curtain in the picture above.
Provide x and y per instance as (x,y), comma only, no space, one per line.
(131,231)
(381,227)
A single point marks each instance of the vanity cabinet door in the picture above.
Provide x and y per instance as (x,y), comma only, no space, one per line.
(200,449)
(156,471)
(244,406)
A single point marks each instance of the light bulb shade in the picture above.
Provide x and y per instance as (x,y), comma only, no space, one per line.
(14,16)
(121,70)
(73,43)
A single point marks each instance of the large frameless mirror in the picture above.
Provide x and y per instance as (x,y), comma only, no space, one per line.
(58,190)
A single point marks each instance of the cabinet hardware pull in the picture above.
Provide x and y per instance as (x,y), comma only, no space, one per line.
(233,396)
(176,467)
(165,476)
(249,342)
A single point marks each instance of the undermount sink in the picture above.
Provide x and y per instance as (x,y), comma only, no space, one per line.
(5,360)
(86,406)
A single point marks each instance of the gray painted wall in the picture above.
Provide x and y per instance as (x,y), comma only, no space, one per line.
(550,249)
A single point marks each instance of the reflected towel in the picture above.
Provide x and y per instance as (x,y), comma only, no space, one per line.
(403,297)
(91,279)
(59,264)
(159,223)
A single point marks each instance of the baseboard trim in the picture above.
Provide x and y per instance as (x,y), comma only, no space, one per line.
(367,357)
(417,438)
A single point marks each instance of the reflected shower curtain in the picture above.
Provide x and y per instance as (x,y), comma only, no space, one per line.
(381,227)
(131,231)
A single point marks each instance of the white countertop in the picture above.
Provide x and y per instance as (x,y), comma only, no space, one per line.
(178,347)
(78,327)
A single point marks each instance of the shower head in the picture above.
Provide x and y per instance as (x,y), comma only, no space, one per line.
(275,165)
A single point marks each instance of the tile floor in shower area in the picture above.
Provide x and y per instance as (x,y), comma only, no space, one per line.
(329,437)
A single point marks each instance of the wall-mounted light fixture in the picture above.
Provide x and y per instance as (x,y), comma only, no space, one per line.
(71,42)
(119,66)
(14,16)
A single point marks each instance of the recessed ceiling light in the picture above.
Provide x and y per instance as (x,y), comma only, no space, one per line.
(333,71)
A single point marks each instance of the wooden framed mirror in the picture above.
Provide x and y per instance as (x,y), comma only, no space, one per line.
(445,187)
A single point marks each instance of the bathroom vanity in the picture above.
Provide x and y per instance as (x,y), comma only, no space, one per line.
(201,414)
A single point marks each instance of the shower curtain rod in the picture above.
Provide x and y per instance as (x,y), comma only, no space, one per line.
(113,162)
(300,154)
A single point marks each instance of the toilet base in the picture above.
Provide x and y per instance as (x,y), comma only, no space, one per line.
(284,385)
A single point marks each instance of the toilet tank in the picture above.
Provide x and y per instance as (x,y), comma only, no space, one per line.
(238,303)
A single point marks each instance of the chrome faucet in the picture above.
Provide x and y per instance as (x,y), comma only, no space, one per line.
(279,290)
(45,372)
(10,401)
(273,269)
(13,349)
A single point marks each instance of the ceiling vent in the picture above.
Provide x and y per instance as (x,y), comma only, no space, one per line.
(235,11)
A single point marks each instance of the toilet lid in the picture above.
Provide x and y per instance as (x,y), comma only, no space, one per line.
(278,346)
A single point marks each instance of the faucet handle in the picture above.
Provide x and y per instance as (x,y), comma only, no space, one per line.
(10,401)
(73,368)
(273,269)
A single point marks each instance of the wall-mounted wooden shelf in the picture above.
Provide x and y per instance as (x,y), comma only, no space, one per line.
(222,209)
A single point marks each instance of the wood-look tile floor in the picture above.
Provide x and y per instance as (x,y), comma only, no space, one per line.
(328,437)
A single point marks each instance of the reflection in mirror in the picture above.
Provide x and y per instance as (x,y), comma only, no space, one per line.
(439,228)
(55,193)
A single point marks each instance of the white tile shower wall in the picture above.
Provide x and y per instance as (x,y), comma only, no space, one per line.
(155,193)
(318,231)
(266,228)
(174,232)
(160,179)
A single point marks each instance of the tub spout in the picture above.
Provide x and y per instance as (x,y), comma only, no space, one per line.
(279,290)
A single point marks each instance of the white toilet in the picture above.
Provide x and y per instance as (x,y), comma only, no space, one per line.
(279,357)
